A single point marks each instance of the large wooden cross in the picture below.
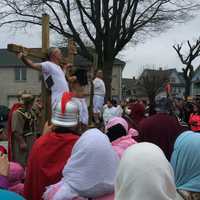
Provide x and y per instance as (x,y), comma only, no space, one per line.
(42,55)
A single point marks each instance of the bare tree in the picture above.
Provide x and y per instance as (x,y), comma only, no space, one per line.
(108,25)
(153,81)
(188,71)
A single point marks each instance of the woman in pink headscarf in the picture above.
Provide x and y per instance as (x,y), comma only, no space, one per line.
(15,177)
(120,135)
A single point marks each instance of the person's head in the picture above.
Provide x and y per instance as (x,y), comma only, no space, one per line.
(99,74)
(19,95)
(91,169)
(137,111)
(114,102)
(55,55)
(144,173)
(109,103)
(185,161)
(188,107)
(65,65)
(27,99)
(38,102)
(16,173)
(66,113)
(118,127)
(195,108)
(3,150)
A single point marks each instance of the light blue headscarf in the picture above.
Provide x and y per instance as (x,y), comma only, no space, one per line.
(185,161)
(7,195)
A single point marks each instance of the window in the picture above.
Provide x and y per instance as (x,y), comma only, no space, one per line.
(20,74)
(172,80)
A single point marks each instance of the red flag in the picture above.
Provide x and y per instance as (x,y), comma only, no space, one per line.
(168,88)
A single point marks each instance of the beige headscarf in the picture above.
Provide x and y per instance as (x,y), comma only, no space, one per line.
(145,174)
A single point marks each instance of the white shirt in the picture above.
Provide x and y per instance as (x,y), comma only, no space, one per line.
(99,87)
(60,83)
(109,113)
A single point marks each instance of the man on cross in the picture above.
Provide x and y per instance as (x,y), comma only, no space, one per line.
(52,72)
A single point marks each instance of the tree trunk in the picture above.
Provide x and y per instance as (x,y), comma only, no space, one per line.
(107,73)
(187,87)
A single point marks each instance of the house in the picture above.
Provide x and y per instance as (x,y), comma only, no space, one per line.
(131,89)
(195,86)
(16,77)
(177,82)
(174,78)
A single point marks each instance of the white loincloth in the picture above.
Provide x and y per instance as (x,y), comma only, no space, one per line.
(98,102)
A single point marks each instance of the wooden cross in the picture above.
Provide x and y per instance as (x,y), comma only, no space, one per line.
(46,94)
(42,55)
(92,74)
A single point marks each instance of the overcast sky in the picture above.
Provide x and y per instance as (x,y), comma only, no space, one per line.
(155,51)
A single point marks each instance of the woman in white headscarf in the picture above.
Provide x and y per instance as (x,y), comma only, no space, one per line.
(144,173)
(89,172)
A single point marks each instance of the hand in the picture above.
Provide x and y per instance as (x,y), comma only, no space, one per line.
(72,78)
(23,146)
(69,65)
(20,55)
(47,128)
(4,165)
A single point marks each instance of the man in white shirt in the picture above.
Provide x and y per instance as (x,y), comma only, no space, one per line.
(52,72)
(99,94)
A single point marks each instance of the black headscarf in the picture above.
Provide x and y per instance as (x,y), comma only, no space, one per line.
(116,132)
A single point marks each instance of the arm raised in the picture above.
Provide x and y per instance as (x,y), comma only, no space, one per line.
(28,62)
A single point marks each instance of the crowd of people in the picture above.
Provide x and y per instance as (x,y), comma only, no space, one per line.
(130,154)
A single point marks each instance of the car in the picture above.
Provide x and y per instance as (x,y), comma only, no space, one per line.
(4,110)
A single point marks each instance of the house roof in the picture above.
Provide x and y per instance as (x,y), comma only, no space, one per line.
(166,72)
(129,82)
(9,59)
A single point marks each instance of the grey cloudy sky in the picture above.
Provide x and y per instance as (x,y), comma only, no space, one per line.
(158,51)
(155,51)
